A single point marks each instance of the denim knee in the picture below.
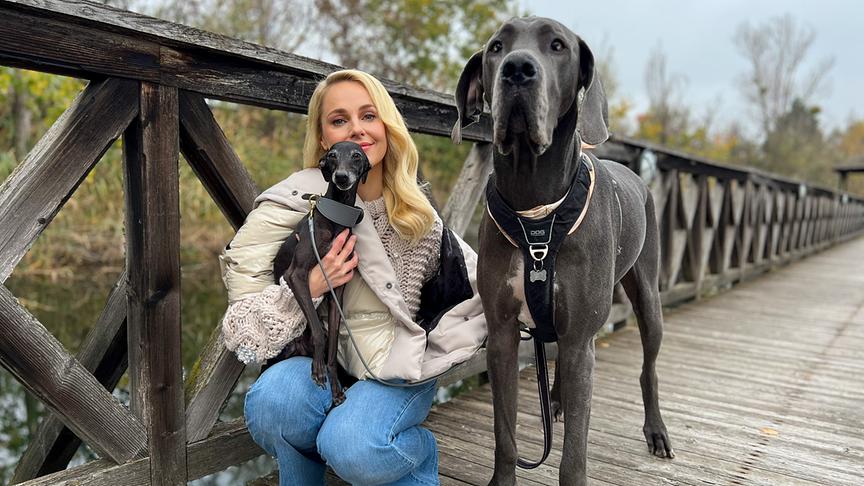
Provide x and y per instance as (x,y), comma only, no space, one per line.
(361,453)
(285,405)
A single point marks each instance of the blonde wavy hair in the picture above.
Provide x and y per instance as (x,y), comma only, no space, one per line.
(408,210)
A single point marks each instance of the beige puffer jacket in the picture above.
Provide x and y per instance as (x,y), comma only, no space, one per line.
(393,344)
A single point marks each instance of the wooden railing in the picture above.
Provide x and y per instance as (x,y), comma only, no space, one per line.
(148,81)
(720,224)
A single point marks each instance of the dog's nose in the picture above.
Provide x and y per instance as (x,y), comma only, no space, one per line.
(519,69)
(341,177)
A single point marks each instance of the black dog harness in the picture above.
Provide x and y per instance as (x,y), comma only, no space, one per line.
(540,239)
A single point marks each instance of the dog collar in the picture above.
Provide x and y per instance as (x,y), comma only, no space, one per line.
(335,211)
(545,210)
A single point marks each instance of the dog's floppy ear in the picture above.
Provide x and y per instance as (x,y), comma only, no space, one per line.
(367,166)
(326,166)
(469,95)
(593,122)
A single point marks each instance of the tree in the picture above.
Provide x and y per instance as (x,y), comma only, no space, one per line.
(796,146)
(281,24)
(668,114)
(776,52)
(848,149)
(419,42)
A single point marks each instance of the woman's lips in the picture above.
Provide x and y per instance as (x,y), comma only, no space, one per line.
(366,146)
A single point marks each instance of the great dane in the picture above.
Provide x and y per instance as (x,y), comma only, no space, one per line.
(539,80)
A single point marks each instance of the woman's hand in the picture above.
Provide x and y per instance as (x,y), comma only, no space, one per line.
(339,263)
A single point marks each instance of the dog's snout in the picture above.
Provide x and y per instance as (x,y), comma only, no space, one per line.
(519,69)
(341,177)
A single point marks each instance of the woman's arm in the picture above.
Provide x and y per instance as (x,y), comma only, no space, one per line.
(258,327)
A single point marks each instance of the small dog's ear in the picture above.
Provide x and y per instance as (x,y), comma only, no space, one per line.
(367,166)
(593,122)
(325,166)
(469,95)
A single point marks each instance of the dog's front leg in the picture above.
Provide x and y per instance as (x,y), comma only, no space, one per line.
(576,369)
(502,361)
(298,281)
(333,322)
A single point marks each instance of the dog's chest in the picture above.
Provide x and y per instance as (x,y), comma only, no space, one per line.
(516,282)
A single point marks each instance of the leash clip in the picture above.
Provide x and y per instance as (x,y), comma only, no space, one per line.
(538,252)
(313,200)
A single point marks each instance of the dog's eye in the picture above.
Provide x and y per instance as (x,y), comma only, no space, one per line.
(495,46)
(355,156)
(557,45)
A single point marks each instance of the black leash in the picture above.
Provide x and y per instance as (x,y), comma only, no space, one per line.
(545,404)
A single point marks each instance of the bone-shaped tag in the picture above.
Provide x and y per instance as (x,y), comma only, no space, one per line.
(537,275)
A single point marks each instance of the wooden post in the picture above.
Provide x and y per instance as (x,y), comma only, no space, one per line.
(468,189)
(151,151)
(208,151)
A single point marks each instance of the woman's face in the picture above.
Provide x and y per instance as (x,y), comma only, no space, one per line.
(347,114)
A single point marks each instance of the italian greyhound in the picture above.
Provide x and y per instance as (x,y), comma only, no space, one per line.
(344,166)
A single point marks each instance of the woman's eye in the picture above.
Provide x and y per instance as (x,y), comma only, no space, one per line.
(557,45)
(495,46)
(369,116)
(337,122)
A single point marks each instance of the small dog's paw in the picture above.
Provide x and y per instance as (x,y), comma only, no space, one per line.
(557,411)
(319,375)
(338,399)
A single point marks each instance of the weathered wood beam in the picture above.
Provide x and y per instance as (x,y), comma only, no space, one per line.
(214,161)
(103,353)
(229,444)
(151,151)
(34,193)
(87,40)
(468,189)
(43,366)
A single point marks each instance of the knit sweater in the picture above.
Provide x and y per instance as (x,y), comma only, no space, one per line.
(258,327)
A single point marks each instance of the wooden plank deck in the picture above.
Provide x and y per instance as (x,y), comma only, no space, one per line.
(761,385)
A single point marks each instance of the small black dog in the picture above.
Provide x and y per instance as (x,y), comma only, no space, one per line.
(344,166)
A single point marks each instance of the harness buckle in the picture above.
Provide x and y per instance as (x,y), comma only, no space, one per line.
(538,252)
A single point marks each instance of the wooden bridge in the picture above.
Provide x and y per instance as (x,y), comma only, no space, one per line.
(757,384)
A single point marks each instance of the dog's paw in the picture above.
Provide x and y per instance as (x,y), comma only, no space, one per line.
(658,441)
(557,411)
(338,398)
(319,375)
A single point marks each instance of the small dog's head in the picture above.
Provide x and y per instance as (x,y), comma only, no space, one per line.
(344,165)
(531,73)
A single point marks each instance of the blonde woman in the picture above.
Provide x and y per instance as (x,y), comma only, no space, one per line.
(410,301)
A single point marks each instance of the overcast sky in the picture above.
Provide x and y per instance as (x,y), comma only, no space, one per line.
(697,37)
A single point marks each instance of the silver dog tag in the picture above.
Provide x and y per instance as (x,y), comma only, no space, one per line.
(537,275)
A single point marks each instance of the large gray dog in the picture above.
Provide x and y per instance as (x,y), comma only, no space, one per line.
(539,80)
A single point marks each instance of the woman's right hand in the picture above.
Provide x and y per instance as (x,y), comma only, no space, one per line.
(339,263)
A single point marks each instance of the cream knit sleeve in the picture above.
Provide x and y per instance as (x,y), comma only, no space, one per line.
(257,328)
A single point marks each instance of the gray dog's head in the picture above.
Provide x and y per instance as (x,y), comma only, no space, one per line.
(532,72)
(344,165)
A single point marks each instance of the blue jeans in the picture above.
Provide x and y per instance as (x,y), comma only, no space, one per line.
(374,437)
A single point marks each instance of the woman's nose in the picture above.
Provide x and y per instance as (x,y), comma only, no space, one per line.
(356,130)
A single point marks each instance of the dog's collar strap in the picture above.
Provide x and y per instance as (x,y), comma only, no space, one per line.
(540,239)
(338,213)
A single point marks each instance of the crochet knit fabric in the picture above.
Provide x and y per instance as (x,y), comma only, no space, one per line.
(258,327)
